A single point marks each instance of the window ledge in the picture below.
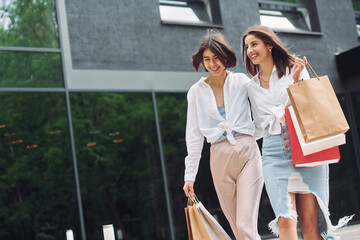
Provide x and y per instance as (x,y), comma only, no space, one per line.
(193,24)
(297,31)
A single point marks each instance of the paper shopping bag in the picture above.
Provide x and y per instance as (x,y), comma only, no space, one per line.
(318,145)
(327,156)
(188,225)
(213,228)
(195,224)
(317,108)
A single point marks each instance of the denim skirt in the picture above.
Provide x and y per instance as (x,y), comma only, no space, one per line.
(282,178)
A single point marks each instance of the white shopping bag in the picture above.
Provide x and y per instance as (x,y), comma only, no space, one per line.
(317,145)
(214,229)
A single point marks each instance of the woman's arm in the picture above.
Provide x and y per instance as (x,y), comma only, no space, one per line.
(194,144)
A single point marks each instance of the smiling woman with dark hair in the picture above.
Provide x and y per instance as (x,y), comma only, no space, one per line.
(219,110)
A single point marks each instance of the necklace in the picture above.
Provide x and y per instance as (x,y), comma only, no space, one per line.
(262,80)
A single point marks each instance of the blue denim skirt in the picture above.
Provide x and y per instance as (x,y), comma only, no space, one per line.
(281,178)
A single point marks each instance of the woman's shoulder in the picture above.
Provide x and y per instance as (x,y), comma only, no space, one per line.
(238,75)
(196,86)
(238,78)
(254,86)
(254,81)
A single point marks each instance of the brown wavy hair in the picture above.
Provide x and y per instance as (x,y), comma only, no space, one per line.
(282,57)
(216,43)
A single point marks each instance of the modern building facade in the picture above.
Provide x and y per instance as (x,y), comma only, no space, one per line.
(94,109)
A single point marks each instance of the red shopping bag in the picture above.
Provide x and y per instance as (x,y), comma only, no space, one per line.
(327,156)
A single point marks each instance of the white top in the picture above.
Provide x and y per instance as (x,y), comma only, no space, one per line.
(204,119)
(268,105)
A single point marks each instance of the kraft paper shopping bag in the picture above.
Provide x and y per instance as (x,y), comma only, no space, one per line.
(195,224)
(317,108)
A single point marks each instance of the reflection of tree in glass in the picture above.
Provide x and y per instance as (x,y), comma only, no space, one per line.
(24,69)
(172,109)
(28,23)
(356,5)
(121,180)
(37,192)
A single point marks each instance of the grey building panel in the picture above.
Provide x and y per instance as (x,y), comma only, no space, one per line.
(128,35)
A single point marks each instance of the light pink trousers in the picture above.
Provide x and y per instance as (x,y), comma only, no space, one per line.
(237,175)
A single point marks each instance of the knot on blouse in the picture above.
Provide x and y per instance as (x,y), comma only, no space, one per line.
(227,128)
(276,118)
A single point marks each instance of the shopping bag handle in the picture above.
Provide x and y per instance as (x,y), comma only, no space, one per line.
(312,71)
(192,200)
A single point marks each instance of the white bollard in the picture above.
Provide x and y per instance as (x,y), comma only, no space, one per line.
(108,231)
(69,234)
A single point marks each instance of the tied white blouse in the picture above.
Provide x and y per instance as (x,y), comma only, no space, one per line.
(204,119)
(268,105)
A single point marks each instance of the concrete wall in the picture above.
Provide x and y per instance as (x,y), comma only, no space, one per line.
(128,35)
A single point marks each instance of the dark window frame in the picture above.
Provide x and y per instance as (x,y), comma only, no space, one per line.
(210,8)
(309,5)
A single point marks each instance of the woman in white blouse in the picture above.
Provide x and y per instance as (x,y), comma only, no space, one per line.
(294,192)
(218,109)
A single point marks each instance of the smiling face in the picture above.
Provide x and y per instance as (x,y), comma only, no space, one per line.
(257,51)
(212,63)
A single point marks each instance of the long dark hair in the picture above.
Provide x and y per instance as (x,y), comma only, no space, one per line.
(217,44)
(282,57)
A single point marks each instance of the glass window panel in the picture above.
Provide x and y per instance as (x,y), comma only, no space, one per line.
(356,5)
(172,117)
(28,23)
(344,178)
(172,108)
(25,69)
(357,19)
(189,12)
(37,190)
(284,17)
(119,165)
(276,21)
(170,13)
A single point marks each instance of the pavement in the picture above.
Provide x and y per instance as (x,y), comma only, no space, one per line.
(351,232)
